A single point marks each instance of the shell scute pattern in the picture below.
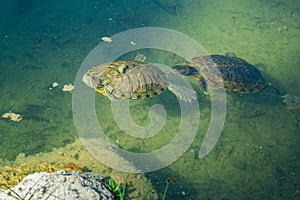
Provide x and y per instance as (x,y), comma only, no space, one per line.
(228,72)
(126,80)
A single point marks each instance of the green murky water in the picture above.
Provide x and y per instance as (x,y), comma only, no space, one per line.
(257,155)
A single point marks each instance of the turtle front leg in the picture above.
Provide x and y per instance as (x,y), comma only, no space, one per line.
(202,83)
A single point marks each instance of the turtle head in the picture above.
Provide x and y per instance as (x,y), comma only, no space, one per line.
(230,54)
(94,82)
(91,81)
(186,70)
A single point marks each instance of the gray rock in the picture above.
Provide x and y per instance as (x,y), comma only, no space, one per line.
(59,185)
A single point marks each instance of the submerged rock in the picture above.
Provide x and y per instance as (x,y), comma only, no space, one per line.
(59,185)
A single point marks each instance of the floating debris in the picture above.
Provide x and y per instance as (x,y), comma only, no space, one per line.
(53,85)
(292,102)
(106,39)
(13,116)
(70,167)
(282,29)
(68,88)
(133,43)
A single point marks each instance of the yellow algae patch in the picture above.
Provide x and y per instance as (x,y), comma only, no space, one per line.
(12,175)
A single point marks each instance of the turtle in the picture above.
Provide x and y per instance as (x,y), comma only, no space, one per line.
(134,80)
(226,71)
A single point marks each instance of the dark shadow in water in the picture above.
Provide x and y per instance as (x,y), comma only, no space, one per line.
(172,8)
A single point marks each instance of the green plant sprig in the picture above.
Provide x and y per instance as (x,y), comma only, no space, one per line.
(117,189)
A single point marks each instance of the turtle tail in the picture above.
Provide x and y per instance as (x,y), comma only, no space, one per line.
(270,90)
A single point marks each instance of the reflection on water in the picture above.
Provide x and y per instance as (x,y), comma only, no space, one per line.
(257,154)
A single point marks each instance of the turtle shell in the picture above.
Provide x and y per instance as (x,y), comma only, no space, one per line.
(228,72)
(126,80)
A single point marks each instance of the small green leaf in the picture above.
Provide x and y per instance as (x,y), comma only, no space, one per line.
(117,189)
(112,182)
